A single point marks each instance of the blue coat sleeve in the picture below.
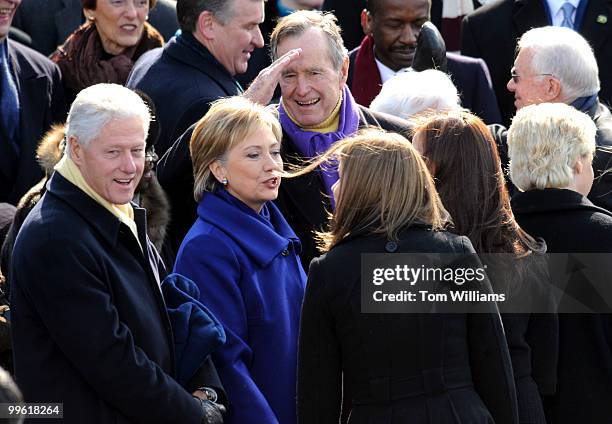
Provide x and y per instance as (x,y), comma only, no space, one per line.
(216,269)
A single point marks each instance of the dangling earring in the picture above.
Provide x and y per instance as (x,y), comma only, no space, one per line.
(224,182)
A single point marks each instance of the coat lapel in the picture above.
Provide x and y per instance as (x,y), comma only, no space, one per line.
(597,23)
(30,85)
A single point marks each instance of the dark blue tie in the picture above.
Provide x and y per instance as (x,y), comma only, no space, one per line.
(9,98)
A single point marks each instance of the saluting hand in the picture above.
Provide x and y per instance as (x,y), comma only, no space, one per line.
(262,88)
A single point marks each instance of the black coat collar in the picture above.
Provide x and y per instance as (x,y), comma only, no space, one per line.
(552,200)
(189,51)
(104,222)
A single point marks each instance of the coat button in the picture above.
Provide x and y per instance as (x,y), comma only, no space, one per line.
(285,252)
(391,246)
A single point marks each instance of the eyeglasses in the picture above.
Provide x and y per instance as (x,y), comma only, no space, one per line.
(516,77)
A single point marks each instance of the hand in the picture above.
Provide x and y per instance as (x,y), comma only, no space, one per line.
(213,412)
(262,88)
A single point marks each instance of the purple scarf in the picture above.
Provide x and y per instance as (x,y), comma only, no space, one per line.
(311,144)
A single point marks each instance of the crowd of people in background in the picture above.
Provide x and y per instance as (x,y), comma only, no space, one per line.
(189,191)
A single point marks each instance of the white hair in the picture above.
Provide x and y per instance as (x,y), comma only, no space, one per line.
(409,93)
(544,143)
(567,56)
(97,105)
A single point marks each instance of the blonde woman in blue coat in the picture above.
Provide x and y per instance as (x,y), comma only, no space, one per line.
(243,256)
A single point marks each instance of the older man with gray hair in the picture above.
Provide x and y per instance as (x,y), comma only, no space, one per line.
(90,327)
(557,65)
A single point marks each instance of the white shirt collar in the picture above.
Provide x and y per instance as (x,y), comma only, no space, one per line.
(385,71)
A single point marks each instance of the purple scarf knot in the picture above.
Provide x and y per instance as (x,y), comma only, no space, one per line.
(311,144)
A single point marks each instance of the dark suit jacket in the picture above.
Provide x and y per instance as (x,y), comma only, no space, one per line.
(397,367)
(182,79)
(491,33)
(41,98)
(90,327)
(471,78)
(601,192)
(570,223)
(50,22)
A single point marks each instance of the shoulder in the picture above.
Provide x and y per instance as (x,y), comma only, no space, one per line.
(52,224)
(455,59)
(385,121)
(207,240)
(498,8)
(31,59)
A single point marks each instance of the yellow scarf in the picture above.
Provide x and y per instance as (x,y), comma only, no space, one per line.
(328,125)
(68,169)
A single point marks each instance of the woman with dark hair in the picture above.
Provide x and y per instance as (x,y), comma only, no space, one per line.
(105,48)
(463,158)
(396,368)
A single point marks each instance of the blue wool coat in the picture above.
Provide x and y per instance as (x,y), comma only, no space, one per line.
(249,274)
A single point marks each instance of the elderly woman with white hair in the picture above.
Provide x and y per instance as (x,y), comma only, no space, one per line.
(551,146)
(410,93)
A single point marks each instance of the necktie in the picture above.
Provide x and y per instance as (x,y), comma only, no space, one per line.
(567,9)
(9,98)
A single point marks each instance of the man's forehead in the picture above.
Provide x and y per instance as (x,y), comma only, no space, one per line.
(402,9)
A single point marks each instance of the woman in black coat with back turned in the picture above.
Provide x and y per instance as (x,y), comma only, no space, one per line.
(463,158)
(551,147)
(397,368)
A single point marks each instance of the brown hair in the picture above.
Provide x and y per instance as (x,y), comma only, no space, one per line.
(91,4)
(227,123)
(469,178)
(385,187)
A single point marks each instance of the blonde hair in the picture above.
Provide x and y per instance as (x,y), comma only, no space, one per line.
(544,143)
(385,187)
(229,121)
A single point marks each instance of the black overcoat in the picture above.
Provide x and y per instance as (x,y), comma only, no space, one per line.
(570,223)
(89,323)
(398,368)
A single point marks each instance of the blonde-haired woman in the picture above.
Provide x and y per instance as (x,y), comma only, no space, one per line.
(243,256)
(397,368)
(551,146)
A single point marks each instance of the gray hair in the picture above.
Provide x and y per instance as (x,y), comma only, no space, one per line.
(97,105)
(409,93)
(188,12)
(544,143)
(567,56)
(298,22)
